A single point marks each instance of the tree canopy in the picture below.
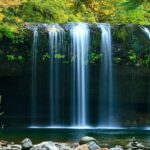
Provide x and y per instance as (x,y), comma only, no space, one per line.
(10,3)
(14,13)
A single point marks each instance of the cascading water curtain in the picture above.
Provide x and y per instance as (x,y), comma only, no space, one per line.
(80,36)
(146,31)
(79,79)
(56,34)
(106,109)
(34,77)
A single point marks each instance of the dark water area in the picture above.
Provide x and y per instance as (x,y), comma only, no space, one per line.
(110,137)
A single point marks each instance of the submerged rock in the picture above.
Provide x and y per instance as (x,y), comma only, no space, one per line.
(93,146)
(26,143)
(86,139)
(134,144)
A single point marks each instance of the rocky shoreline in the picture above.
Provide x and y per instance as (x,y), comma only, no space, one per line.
(85,143)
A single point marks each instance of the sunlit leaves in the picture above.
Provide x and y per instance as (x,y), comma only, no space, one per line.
(10,3)
(8,30)
(61,11)
(2,16)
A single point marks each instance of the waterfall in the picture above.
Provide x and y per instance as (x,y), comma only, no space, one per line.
(34,76)
(55,33)
(107,99)
(67,90)
(146,31)
(80,35)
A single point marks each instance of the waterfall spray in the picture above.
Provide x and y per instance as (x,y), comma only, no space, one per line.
(34,76)
(107,99)
(56,34)
(146,31)
(80,35)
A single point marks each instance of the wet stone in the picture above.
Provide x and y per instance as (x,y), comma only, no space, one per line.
(93,146)
(26,143)
(86,139)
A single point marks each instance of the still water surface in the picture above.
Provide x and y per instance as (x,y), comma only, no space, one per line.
(112,137)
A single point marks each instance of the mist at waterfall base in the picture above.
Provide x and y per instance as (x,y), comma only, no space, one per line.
(78,94)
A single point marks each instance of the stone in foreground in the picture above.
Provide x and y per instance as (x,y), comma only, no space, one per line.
(46,145)
(82,147)
(117,147)
(93,146)
(26,143)
(134,144)
(86,139)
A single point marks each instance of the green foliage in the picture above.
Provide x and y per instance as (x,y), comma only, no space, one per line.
(43,11)
(122,34)
(134,11)
(146,60)
(10,3)
(1,52)
(14,15)
(61,11)
(8,30)
(94,57)
(46,56)
(20,58)
(59,56)
(117,60)
(132,56)
(12,57)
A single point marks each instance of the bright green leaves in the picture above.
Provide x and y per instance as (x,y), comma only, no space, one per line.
(132,56)
(57,56)
(8,30)
(61,11)
(12,57)
(95,57)
(134,11)
(46,56)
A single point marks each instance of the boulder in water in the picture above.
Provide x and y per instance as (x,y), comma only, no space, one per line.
(86,139)
(93,146)
(134,144)
(26,143)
